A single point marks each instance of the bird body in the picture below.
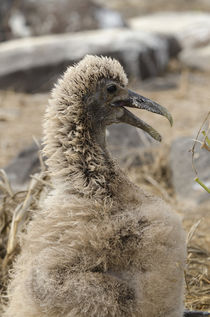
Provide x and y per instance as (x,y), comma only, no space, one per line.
(99,246)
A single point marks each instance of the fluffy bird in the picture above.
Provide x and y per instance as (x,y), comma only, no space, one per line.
(99,246)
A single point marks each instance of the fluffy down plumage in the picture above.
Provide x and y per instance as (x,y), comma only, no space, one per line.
(99,246)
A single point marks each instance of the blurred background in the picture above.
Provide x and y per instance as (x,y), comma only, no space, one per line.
(164,47)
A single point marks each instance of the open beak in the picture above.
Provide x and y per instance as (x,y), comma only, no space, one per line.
(137,101)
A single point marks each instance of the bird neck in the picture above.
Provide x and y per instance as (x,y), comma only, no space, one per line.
(99,136)
(77,157)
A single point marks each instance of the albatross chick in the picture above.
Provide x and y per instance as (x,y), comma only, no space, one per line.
(99,246)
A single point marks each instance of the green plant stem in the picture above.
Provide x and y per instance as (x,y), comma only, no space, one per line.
(202,184)
(207,140)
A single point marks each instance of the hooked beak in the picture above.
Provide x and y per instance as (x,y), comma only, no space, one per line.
(137,101)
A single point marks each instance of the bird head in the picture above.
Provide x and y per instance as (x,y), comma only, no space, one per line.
(96,87)
(109,102)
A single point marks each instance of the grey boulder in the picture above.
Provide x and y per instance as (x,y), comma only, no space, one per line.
(33,64)
(192,29)
(183,175)
(197,58)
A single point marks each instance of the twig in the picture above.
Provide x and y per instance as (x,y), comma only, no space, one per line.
(157,186)
(192,231)
(196,139)
(205,144)
(6,182)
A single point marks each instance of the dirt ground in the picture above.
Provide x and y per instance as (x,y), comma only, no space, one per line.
(187,96)
(130,8)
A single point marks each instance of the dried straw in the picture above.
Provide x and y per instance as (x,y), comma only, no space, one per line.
(15,212)
(197,274)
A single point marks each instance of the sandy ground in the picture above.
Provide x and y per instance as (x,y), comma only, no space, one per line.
(187,97)
(130,8)
(20,121)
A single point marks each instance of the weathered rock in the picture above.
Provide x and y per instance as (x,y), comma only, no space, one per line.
(197,58)
(33,64)
(161,83)
(182,172)
(25,164)
(34,18)
(5,31)
(130,146)
(192,29)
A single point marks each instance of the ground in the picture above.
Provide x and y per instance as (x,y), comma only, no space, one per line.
(130,8)
(186,95)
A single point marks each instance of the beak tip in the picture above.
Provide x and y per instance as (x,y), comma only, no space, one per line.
(171,121)
(155,135)
(167,114)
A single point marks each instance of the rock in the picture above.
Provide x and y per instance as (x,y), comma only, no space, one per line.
(25,164)
(192,29)
(183,176)
(33,64)
(35,18)
(197,58)
(108,18)
(167,82)
(5,31)
(130,146)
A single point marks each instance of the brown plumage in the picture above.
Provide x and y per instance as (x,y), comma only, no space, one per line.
(99,246)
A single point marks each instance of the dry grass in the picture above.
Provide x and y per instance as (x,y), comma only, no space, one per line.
(197,274)
(15,213)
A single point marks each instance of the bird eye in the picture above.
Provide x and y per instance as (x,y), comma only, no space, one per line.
(111,89)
